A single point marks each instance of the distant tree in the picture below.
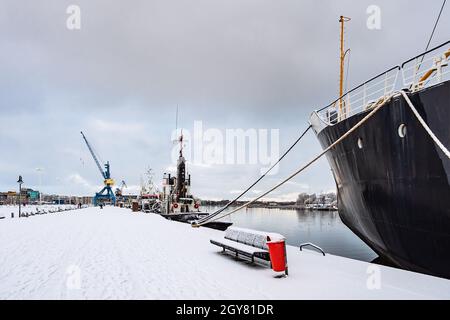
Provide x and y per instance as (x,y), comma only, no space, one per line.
(302,197)
(332,196)
(311,199)
(321,199)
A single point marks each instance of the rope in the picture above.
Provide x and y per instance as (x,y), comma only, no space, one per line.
(383,101)
(435,25)
(366,118)
(425,126)
(434,29)
(260,178)
(348,69)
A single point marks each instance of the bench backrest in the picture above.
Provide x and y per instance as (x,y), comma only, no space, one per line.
(255,239)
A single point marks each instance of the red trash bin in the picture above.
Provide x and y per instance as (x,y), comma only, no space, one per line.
(277,251)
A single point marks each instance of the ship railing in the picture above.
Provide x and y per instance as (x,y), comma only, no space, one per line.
(424,70)
(360,98)
(427,69)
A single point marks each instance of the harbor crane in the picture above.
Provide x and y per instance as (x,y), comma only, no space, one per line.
(119,191)
(106,193)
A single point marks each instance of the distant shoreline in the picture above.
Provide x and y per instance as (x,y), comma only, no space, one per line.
(271,205)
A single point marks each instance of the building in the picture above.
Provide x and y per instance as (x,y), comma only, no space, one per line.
(32,195)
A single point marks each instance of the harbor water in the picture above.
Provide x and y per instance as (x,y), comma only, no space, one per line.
(323,228)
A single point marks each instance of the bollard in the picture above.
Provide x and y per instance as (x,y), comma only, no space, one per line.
(12,215)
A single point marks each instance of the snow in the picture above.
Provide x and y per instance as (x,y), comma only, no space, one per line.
(273,236)
(116,254)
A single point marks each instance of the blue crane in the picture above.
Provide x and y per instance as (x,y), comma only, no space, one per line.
(106,193)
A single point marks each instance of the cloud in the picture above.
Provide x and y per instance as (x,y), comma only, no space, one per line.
(254,64)
(132,190)
(171,169)
(78,180)
(118,127)
(287,197)
(298,184)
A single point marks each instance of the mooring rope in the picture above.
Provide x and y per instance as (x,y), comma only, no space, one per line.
(212,215)
(367,117)
(425,126)
(383,101)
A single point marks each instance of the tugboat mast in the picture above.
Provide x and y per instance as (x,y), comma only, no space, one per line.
(181,172)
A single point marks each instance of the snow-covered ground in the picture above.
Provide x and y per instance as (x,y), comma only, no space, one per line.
(116,254)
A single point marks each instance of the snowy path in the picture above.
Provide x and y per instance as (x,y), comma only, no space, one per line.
(117,254)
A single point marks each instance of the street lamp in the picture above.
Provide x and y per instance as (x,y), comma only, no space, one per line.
(59,197)
(20,182)
(39,170)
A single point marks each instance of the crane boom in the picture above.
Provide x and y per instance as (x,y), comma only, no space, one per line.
(106,193)
(94,156)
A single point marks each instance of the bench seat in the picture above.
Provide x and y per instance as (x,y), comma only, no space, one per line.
(246,242)
(242,249)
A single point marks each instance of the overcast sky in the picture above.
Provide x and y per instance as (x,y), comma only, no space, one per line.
(249,64)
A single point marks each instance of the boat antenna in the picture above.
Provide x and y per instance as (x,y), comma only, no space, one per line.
(181,143)
(342,21)
(180,138)
(176,120)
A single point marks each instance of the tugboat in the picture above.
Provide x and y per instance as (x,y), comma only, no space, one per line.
(149,202)
(177,202)
(392,177)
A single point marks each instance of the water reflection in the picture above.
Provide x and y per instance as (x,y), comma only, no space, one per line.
(322,228)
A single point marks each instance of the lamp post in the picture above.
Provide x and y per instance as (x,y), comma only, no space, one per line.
(20,182)
(39,170)
(59,197)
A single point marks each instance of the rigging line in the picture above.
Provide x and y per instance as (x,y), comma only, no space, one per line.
(432,33)
(258,180)
(382,102)
(348,69)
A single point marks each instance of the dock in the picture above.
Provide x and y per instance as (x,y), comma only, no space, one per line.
(113,253)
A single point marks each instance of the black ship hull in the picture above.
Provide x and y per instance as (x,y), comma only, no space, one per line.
(393,191)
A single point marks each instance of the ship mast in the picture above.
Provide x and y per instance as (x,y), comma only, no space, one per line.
(344,52)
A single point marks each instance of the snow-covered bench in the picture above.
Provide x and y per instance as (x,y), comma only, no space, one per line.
(246,242)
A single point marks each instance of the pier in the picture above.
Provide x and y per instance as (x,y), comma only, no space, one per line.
(113,253)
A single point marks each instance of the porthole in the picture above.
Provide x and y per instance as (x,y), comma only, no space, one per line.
(402,131)
(360,143)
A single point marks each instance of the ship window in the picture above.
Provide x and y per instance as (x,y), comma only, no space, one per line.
(402,131)
(360,143)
